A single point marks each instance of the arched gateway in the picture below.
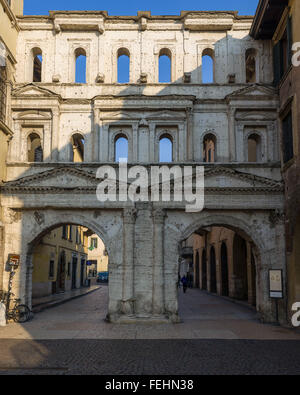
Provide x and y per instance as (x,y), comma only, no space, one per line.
(142,240)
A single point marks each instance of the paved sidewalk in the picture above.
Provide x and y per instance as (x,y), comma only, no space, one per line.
(204,316)
(40,304)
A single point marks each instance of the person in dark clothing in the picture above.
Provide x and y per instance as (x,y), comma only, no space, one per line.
(184,283)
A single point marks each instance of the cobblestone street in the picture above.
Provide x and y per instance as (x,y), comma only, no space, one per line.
(216,336)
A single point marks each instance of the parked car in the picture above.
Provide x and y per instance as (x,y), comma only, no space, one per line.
(102,277)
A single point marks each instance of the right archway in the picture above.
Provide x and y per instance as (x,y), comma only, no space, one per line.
(246,275)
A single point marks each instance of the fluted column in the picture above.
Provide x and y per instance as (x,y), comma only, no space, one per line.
(55,134)
(158,261)
(129,217)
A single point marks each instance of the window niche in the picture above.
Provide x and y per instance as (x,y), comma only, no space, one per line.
(77,148)
(37,62)
(209,148)
(208,66)
(123,67)
(251,66)
(35,150)
(166,149)
(165,66)
(80,66)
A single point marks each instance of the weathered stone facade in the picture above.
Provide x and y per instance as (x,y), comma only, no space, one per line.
(143,239)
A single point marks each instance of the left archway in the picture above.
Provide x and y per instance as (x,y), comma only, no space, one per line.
(62,259)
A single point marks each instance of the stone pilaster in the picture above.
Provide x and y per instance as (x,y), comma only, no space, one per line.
(143,260)
(129,218)
(158,261)
(55,134)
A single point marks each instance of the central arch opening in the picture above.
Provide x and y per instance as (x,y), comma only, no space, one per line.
(68,260)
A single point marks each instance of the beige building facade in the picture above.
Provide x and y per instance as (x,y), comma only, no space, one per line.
(9,29)
(97,253)
(65,130)
(283,33)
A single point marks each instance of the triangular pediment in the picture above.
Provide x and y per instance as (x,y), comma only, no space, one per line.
(252,90)
(222,177)
(62,177)
(30,90)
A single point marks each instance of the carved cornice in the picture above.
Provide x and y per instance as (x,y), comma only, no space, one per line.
(258,184)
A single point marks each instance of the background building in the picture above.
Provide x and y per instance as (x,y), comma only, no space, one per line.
(278,22)
(97,256)
(59,261)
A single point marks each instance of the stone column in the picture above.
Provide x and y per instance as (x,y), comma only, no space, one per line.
(105,152)
(55,134)
(231,134)
(143,261)
(218,268)
(189,125)
(133,151)
(181,142)
(152,142)
(47,143)
(240,152)
(158,262)
(129,217)
(95,139)
(249,274)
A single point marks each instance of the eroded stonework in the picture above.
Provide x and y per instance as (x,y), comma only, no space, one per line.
(143,239)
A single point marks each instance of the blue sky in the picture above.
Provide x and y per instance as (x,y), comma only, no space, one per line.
(157,7)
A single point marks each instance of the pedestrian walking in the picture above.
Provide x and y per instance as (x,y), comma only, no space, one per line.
(184,283)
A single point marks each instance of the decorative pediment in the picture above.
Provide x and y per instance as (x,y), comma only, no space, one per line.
(252,91)
(32,90)
(62,177)
(69,179)
(33,115)
(166,115)
(227,178)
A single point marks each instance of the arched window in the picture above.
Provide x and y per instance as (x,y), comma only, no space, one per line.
(35,150)
(254,148)
(209,148)
(77,148)
(164,66)
(37,59)
(165,149)
(80,66)
(208,66)
(121,148)
(251,76)
(123,66)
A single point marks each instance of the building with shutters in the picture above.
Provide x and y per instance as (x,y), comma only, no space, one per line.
(278,23)
(9,29)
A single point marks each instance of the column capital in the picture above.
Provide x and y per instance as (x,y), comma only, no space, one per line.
(159,215)
(129,215)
